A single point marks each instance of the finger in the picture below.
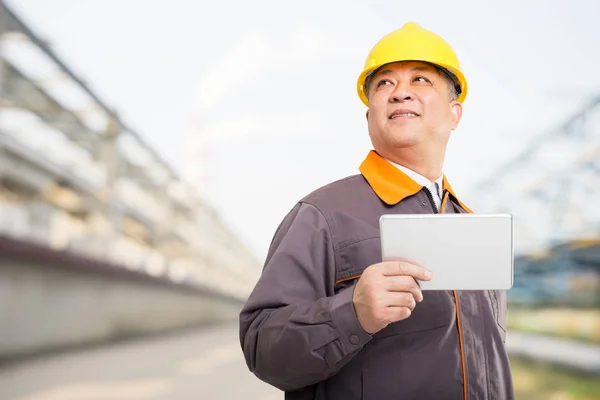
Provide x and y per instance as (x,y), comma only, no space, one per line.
(403,284)
(401,299)
(395,314)
(394,268)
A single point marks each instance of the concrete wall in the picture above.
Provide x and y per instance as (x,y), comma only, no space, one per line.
(45,305)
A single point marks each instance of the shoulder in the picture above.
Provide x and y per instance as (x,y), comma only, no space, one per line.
(335,192)
(315,205)
(319,207)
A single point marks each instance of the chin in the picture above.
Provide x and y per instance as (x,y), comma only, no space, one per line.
(403,141)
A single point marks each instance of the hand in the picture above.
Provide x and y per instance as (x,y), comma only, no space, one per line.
(387,292)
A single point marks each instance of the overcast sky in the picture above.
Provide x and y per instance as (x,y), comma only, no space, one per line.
(254,102)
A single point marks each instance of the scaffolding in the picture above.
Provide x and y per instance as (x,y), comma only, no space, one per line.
(75,177)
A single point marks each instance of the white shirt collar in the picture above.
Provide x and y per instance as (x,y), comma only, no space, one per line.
(436,190)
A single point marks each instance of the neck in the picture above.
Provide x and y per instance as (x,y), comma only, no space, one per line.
(430,166)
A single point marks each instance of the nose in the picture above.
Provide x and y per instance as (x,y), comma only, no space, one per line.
(401,93)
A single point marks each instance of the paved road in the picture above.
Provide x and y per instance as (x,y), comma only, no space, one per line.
(201,364)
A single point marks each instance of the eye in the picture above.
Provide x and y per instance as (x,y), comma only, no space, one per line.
(421,79)
(383,82)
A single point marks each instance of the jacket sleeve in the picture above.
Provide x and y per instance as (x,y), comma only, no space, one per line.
(294,330)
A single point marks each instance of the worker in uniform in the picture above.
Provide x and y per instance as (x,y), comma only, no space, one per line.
(327,318)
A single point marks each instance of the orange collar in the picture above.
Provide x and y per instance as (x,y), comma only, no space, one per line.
(390,184)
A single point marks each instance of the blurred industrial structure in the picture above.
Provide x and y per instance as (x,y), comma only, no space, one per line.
(78,187)
(552,188)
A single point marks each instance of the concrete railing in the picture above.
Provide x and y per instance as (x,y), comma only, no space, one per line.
(50,300)
(570,354)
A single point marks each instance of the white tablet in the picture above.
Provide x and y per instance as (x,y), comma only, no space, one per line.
(463,251)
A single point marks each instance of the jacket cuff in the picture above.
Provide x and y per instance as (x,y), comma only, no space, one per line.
(344,318)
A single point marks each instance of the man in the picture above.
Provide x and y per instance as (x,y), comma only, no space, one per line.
(329,320)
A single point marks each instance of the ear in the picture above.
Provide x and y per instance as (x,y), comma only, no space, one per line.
(456,110)
(367,115)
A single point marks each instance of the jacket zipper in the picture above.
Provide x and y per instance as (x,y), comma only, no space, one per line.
(462,354)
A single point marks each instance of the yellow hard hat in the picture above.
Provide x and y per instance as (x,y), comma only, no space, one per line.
(412,43)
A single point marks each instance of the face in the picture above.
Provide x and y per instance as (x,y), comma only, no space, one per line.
(410,107)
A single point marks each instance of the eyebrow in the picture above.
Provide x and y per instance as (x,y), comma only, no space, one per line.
(415,69)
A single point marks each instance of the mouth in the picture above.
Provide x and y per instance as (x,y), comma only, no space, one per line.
(403,114)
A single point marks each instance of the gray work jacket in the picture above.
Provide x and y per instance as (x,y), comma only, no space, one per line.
(299,331)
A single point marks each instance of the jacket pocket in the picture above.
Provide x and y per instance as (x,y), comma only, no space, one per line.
(413,359)
(353,258)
